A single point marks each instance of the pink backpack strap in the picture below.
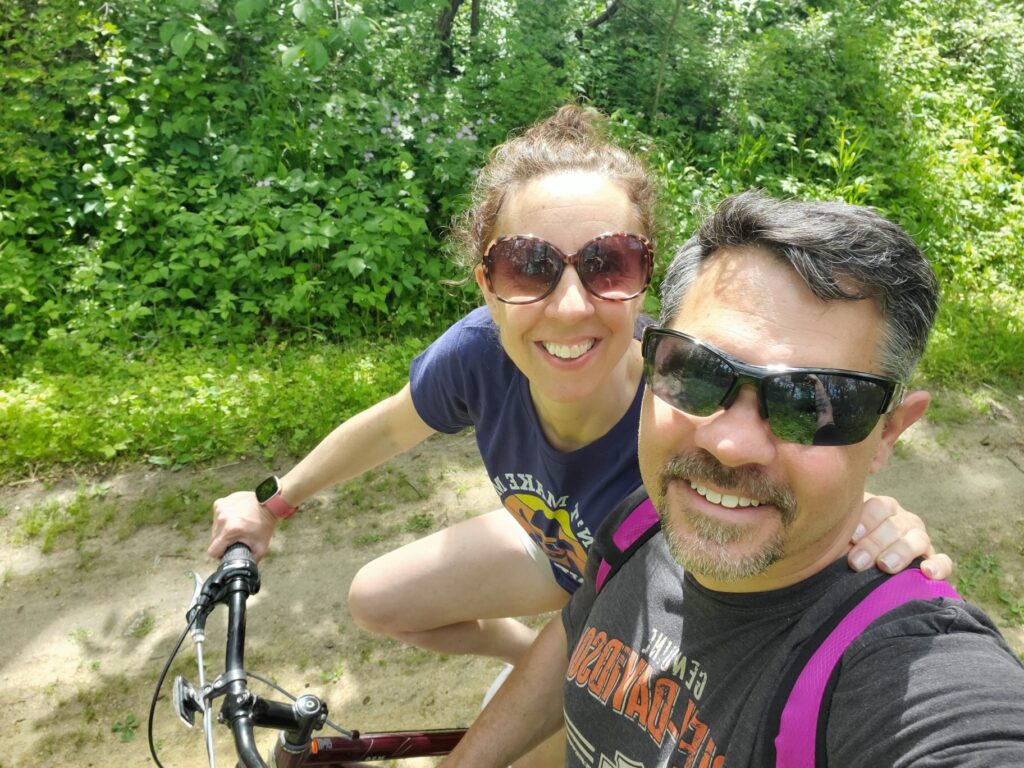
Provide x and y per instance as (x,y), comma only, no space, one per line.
(796,743)
(631,532)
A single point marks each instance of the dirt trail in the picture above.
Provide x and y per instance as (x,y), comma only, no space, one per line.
(87,628)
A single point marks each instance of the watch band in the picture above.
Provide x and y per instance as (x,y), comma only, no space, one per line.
(278,507)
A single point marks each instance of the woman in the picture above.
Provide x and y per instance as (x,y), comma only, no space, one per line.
(549,374)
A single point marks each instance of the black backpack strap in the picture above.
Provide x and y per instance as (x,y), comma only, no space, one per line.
(799,712)
(629,534)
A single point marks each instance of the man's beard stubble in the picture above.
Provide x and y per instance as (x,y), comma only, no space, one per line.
(705,549)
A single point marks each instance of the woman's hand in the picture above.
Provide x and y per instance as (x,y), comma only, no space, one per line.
(890,537)
(239,517)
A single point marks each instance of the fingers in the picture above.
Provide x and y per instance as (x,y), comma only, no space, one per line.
(239,517)
(889,548)
(878,509)
(888,536)
(938,567)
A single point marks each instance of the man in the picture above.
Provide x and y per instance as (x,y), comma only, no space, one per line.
(774,390)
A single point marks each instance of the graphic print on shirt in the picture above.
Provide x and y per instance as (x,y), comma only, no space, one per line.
(656,688)
(584,750)
(548,521)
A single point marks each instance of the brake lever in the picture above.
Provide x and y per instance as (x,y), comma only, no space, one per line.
(199,625)
(187,701)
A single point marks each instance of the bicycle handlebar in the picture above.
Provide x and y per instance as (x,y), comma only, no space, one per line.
(241,709)
(239,579)
(235,579)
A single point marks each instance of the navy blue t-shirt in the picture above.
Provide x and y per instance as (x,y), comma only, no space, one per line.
(465,379)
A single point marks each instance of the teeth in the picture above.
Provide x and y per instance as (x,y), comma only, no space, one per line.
(725,499)
(566,351)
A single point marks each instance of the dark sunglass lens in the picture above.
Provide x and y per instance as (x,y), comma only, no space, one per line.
(523,269)
(823,409)
(686,375)
(614,267)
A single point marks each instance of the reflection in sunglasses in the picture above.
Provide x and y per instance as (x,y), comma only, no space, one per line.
(522,269)
(805,406)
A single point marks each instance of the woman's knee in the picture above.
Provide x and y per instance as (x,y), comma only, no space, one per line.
(370,603)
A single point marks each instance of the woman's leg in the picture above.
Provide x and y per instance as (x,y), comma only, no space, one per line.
(454,590)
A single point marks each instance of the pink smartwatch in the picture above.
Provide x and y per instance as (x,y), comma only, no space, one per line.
(268,494)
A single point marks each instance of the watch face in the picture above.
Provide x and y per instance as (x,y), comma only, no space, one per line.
(266,490)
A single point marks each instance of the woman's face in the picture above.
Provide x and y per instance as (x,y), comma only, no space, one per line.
(570,343)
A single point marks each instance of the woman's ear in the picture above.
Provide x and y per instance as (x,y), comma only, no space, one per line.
(481,281)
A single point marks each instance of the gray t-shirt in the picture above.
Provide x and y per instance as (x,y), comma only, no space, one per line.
(663,672)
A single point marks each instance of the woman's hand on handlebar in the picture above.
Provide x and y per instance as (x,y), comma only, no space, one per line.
(239,517)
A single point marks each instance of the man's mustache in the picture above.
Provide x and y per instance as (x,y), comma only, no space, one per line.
(704,469)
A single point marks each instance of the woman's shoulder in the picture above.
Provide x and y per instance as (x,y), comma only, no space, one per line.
(470,344)
(476,331)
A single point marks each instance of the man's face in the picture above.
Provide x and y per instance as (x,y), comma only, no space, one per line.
(757,309)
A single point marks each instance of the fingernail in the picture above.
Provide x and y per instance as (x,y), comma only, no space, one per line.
(860,560)
(859,533)
(892,562)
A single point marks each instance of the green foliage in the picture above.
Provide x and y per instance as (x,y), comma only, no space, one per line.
(186,174)
(172,408)
(81,517)
(914,108)
(126,727)
(210,188)
(419,523)
(981,578)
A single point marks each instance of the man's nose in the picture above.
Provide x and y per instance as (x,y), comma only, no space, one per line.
(738,435)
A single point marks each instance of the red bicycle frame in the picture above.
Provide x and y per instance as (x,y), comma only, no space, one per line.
(341,752)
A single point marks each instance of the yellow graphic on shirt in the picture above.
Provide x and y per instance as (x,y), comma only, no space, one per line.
(551,530)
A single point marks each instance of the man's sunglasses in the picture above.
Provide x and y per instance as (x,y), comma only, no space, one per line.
(522,269)
(809,406)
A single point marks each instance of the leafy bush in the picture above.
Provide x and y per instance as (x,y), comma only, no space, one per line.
(187,174)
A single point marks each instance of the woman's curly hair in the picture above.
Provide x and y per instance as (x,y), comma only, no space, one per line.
(572,139)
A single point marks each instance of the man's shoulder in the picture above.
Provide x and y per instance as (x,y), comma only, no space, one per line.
(928,677)
(965,624)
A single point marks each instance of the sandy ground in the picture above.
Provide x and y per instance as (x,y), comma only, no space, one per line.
(86,628)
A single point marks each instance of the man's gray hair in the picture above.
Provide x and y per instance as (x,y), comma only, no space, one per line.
(842,252)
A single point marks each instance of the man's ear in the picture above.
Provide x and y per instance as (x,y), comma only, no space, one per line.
(914,404)
(481,281)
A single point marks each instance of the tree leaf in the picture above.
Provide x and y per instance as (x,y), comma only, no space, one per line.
(356,266)
(300,9)
(291,54)
(358,31)
(182,43)
(317,55)
(168,30)
(244,10)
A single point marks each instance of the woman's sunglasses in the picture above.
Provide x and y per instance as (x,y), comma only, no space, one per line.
(801,405)
(522,269)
